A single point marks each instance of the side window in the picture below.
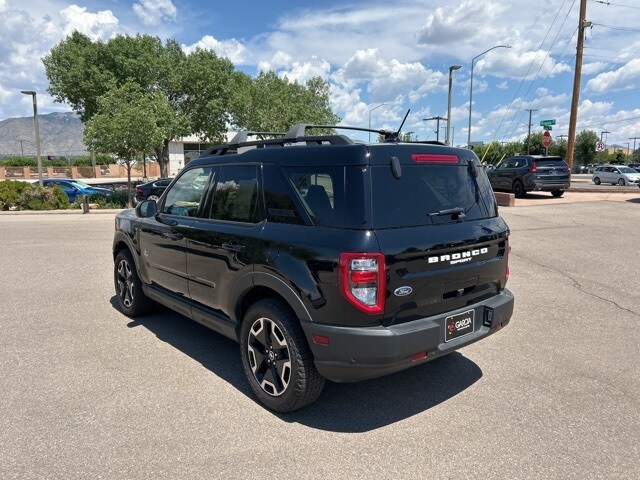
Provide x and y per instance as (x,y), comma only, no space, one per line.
(236,195)
(281,208)
(183,199)
(316,188)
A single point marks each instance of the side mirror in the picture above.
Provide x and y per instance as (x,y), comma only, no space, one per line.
(147,209)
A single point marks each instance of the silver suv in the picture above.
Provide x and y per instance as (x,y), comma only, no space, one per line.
(616,175)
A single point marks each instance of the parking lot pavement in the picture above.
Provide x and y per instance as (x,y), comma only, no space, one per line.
(89,393)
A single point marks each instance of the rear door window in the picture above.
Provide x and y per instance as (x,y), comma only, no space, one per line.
(236,194)
(423,191)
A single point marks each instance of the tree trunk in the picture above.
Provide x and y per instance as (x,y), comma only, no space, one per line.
(162,155)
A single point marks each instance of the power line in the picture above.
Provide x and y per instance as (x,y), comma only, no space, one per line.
(495,135)
(615,4)
(624,29)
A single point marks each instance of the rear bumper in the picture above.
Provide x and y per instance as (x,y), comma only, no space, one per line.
(551,186)
(360,353)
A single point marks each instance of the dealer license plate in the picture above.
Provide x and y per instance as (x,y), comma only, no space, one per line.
(459,325)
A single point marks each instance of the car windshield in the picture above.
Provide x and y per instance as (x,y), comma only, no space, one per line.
(627,170)
(551,162)
(79,184)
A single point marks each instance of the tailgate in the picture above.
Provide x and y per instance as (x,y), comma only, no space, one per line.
(437,270)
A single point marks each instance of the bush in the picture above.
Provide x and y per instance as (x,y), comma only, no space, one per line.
(25,196)
(43,198)
(10,193)
(117,200)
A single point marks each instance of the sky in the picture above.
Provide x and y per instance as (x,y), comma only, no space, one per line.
(380,58)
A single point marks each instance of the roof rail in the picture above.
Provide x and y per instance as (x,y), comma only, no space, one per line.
(296,134)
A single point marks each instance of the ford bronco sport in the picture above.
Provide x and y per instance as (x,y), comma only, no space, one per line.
(323,257)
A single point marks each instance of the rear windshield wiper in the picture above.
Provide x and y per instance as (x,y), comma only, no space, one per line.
(449,211)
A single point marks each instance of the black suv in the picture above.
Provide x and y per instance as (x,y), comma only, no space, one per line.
(524,173)
(324,258)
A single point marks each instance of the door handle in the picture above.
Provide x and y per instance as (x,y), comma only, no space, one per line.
(233,246)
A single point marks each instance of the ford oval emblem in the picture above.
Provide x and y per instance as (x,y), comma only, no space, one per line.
(402,291)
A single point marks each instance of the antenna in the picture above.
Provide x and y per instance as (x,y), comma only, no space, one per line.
(393,137)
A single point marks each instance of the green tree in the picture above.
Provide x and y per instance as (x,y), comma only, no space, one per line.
(129,122)
(194,86)
(273,104)
(584,150)
(534,143)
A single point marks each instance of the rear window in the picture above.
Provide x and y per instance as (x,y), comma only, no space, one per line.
(551,162)
(425,190)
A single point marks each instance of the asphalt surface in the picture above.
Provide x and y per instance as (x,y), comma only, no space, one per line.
(89,393)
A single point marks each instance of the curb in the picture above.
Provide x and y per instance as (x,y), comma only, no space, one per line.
(63,212)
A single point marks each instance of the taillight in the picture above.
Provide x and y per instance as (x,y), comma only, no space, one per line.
(138,190)
(434,157)
(363,281)
(534,168)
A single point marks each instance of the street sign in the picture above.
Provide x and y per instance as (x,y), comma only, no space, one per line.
(546,139)
(547,123)
(548,127)
(599,146)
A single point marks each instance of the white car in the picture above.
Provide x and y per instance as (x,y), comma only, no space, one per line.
(616,175)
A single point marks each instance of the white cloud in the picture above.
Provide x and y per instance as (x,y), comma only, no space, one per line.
(95,25)
(625,78)
(231,49)
(470,19)
(154,12)
(279,60)
(302,71)
(593,67)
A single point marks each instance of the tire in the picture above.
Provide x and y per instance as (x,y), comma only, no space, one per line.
(518,189)
(153,197)
(132,301)
(557,193)
(596,180)
(621,182)
(276,358)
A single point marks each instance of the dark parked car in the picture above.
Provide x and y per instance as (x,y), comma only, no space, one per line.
(525,173)
(152,190)
(331,259)
(76,188)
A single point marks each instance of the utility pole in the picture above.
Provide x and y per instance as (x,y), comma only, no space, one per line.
(634,143)
(530,110)
(437,119)
(582,24)
(22,148)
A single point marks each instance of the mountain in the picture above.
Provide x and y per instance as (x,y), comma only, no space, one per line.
(60,135)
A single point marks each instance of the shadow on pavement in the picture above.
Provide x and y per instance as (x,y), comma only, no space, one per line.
(342,407)
(634,200)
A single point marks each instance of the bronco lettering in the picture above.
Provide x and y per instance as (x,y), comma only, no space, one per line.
(459,257)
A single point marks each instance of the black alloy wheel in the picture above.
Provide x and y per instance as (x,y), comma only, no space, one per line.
(518,189)
(276,357)
(131,299)
(596,180)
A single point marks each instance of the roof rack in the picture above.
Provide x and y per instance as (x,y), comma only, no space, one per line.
(296,134)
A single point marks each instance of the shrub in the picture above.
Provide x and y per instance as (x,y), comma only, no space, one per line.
(10,193)
(117,200)
(43,198)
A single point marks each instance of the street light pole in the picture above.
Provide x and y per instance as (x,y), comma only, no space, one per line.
(448,135)
(371,110)
(471,88)
(35,119)
(437,119)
